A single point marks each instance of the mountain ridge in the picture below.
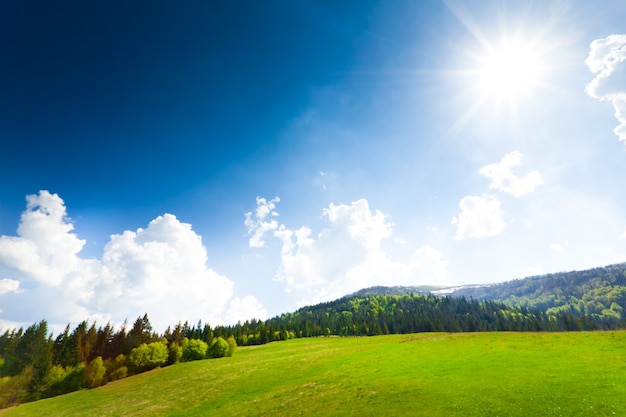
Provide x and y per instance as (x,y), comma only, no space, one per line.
(594,291)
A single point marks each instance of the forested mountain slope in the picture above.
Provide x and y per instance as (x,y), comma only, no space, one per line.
(597,292)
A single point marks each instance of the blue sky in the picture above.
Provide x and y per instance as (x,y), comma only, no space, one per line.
(229,160)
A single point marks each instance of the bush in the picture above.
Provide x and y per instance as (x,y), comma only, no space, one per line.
(119,373)
(61,380)
(146,357)
(193,350)
(95,372)
(218,349)
(175,353)
(14,389)
(232,345)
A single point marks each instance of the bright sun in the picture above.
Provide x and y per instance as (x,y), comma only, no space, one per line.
(508,72)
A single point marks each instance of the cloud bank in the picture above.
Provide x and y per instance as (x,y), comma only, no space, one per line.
(346,255)
(161,270)
(607,60)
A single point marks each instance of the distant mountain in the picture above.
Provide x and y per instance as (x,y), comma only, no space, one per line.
(398,290)
(593,292)
(597,291)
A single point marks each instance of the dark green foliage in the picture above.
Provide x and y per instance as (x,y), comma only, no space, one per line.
(14,390)
(175,352)
(139,334)
(598,293)
(410,313)
(62,380)
(116,368)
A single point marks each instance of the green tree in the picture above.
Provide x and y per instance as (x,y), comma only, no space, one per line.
(95,372)
(61,380)
(193,349)
(175,353)
(232,345)
(116,368)
(140,333)
(35,349)
(14,390)
(218,349)
(148,356)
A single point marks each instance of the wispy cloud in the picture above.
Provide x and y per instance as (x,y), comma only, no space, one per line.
(161,270)
(503,179)
(607,59)
(258,223)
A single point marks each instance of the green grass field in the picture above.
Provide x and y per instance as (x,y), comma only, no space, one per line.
(461,374)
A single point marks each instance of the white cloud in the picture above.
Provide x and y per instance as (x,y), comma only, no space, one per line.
(430,264)
(256,222)
(556,247)
(623,235)
(162,270)
(607,59)
(479,217)
(8,285)
(347,255)
(246,308)
(502,179)
(163,265)
(45,249)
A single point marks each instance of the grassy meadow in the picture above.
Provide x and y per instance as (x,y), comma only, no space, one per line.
(429,374)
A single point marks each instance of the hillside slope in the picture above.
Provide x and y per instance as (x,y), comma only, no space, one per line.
(460,374)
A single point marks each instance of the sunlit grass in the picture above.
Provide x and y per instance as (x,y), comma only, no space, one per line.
(471,374)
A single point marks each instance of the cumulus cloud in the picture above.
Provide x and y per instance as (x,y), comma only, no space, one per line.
(162,265)
(45,249)
(258,223)
(503,179)
(623,235)
(348,255)
(8,285)
(479,217)
(607,60)
(162,270)
(242,309)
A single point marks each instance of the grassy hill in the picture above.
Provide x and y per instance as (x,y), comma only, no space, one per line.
(429,374)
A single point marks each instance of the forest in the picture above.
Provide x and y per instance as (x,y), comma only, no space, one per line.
(597,292)
(34,364)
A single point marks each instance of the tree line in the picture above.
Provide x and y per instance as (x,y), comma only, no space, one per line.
(411,313)
(598,292)
(34,364)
